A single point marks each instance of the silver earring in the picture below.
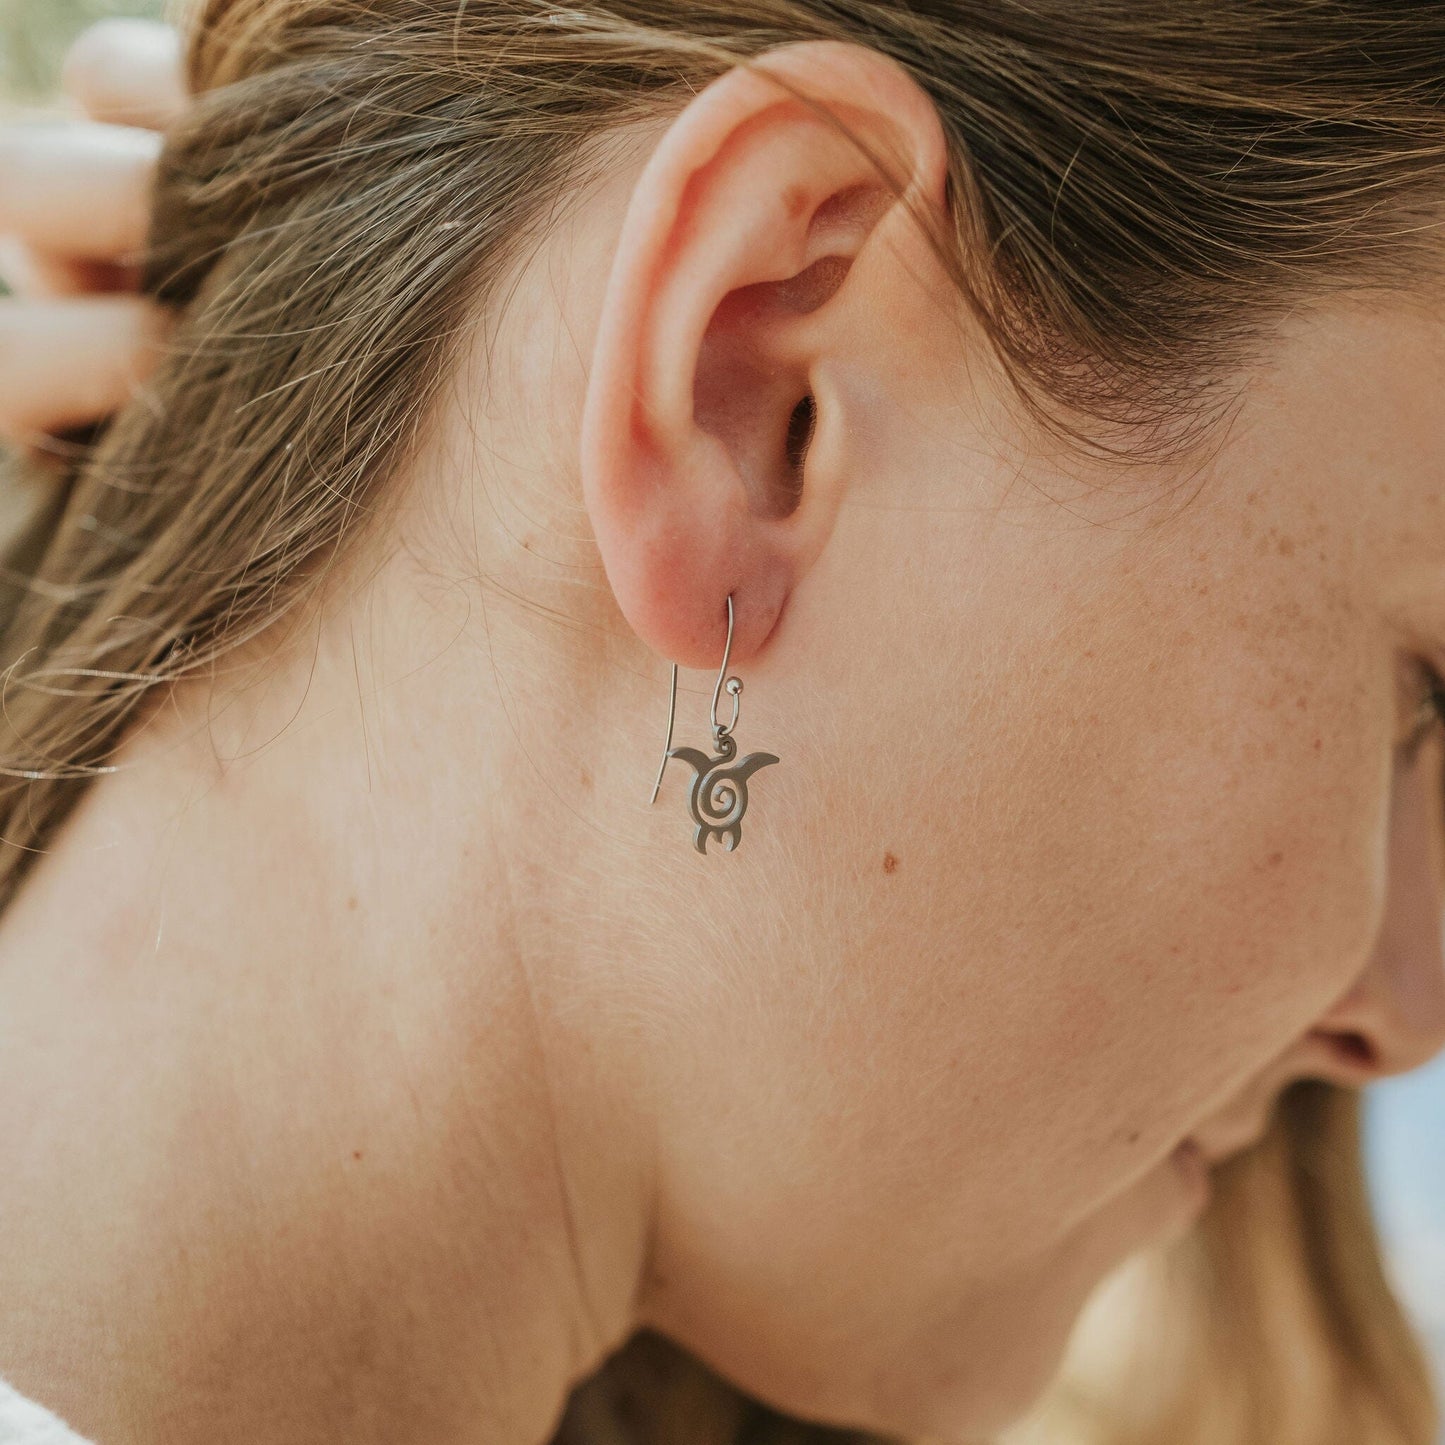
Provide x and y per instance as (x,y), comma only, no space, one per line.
(718,796)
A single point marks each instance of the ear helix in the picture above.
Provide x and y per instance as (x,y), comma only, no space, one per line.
(718,795)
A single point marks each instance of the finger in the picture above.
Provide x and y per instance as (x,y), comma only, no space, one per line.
(127,72)
(78,190)
(70,362)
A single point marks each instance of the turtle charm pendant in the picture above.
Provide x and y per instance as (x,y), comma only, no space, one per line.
(718,796)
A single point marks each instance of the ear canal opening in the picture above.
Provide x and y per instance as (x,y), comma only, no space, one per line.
(801,424)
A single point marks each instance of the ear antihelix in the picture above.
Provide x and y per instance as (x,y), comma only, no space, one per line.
(718,793)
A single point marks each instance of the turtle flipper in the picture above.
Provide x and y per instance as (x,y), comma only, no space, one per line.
(750,764)
(700,761)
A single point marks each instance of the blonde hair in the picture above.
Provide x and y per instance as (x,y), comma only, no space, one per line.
(1137,192)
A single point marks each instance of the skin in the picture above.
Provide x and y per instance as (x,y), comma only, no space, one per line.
(376,1059)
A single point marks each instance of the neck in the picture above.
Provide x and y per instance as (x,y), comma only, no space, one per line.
(316,1096)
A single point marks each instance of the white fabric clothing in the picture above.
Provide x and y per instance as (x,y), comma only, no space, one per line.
(23,1422)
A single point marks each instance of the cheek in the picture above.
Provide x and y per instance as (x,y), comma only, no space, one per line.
(1143,852)
(1062,865)
(1206,882)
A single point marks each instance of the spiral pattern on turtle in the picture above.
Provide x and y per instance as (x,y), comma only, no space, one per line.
(718,797)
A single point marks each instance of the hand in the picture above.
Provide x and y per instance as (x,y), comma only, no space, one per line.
(75,338)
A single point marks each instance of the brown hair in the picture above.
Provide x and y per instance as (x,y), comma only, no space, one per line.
(1137,190)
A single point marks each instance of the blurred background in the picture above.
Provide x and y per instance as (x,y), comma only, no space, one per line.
(1405,1153)
(34,34)
(1405,1117)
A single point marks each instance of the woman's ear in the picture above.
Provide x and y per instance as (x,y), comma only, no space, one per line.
(712,426)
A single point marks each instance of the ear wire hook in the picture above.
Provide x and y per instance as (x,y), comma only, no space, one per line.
(734,687)
(667,746)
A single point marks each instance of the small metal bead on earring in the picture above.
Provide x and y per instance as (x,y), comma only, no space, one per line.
(718,795)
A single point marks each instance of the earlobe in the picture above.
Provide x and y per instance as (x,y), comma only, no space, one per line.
(708,460)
